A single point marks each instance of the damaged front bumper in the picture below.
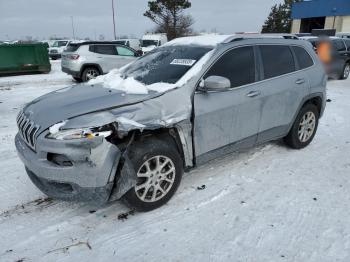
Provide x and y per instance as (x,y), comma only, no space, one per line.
(77,170)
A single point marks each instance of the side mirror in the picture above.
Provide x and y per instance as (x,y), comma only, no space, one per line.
(138,53)
(215,83)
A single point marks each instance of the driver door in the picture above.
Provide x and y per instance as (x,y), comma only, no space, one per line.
(228,119)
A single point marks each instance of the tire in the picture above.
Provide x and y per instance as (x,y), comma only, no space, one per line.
(90,73)
(143,197)
(346,72)
(77,79)
(297,138)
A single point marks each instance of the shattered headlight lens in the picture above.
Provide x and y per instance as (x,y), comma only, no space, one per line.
(80,133)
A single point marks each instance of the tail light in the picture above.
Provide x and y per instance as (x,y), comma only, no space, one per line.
(74,57)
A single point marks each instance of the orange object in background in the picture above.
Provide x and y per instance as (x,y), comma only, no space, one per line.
(324,52)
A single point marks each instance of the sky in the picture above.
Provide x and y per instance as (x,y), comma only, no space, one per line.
(44,18)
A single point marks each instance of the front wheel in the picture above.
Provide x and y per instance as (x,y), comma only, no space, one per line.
(304,127)
(159,170)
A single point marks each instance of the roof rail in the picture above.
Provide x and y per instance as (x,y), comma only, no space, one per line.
(239,37)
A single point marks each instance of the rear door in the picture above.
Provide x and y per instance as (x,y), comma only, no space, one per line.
(104,56)
(231,116)
(283,89)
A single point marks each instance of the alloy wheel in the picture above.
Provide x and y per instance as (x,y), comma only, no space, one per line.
(156,177)
(346,71)
(92,74)
(307,126)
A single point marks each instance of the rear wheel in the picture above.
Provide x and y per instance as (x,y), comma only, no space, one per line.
(304,127)
(346,71)
(159,170)
(90,73)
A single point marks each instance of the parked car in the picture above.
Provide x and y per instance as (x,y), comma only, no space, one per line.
(151,41)
(130,42)
(87,60)
(343,35)
(339,68)
(206,96)
(57,48)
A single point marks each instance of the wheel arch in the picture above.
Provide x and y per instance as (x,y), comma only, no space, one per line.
(90,65)
(176,135)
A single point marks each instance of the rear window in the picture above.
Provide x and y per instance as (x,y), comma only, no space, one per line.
(72,47)
(277,60)
(304,59)
(103,49)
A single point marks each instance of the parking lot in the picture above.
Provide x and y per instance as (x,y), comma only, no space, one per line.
(283,204)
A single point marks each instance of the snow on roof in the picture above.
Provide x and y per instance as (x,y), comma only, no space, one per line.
(204,40)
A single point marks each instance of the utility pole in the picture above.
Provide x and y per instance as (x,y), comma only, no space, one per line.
(115,35)
(73,27)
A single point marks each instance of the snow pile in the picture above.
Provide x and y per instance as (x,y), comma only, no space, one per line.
(203,40)
(114,80)
(56,128)
(129,85)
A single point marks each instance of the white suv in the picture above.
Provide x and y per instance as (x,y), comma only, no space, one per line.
(57,48)
(85,61)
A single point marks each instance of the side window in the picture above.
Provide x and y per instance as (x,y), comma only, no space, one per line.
(277,60)
(105,49)
(304,59)
(238,65)
(124,51)
(339,45)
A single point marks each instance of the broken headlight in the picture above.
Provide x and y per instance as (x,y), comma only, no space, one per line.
(80,133)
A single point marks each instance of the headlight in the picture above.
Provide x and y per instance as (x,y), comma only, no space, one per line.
(79,133)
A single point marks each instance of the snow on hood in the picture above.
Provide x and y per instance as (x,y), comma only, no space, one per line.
(203,40)
(129,85)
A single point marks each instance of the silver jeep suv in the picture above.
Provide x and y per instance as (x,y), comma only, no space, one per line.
(130,135)
(87,60)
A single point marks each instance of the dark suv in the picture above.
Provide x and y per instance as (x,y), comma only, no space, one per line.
(339,68)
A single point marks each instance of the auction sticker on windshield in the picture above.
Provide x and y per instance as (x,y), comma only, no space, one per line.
(184,62)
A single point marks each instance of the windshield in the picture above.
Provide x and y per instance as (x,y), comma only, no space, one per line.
(146,43)
(59,43)
(165,65)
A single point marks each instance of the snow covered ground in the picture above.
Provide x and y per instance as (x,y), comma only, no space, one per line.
(268,203)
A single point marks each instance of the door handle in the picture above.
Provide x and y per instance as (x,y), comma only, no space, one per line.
(300,81)
(253,93)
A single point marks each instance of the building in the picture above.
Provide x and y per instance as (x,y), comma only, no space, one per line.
(321,14)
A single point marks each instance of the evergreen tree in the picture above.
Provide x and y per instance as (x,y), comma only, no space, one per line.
(169,17)
(279,19)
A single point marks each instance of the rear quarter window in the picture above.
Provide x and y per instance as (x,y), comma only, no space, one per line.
(277,60)
(303,57)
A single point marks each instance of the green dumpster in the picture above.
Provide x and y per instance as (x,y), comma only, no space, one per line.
(24,58)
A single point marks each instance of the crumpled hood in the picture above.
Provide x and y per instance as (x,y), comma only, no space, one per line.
(78,100)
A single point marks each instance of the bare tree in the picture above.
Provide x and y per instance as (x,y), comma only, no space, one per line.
(169,17)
